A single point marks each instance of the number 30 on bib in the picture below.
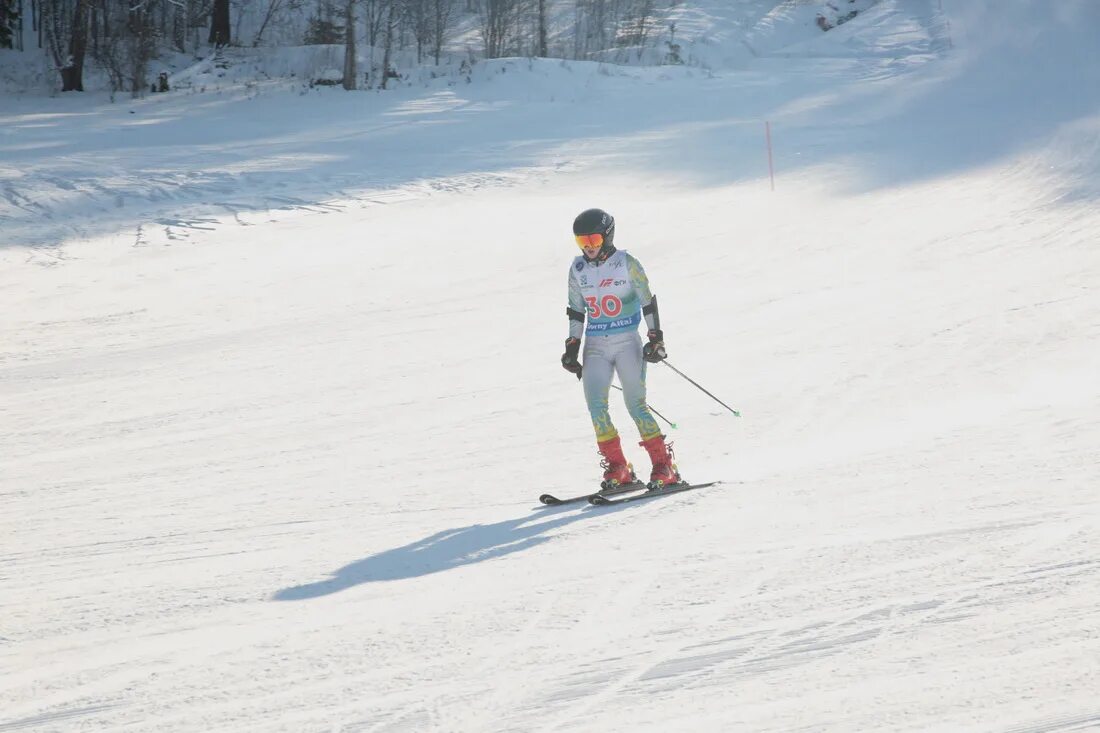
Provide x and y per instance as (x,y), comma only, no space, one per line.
(608,306)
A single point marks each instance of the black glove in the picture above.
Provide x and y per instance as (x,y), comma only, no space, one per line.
(569,359)
(654,351)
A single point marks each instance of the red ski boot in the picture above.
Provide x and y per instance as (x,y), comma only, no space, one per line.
(664,470)
(616,470)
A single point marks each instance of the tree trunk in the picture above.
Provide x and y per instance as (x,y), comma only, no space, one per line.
(349,47)
(373,13)
(441,16)
(10,24)
(272,6)
(219,24)
(389,46)
(72,71)
(543,49)
(141,41)
(495,24)
(179,27)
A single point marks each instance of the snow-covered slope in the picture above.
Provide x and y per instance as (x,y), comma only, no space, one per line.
(276,469)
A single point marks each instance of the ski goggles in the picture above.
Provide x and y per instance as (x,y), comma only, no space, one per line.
(589,240)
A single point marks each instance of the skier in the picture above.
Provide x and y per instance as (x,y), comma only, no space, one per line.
(610,287)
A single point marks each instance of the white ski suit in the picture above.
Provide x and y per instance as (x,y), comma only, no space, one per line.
(612,295)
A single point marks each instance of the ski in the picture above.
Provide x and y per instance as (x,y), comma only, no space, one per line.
(551,500)
(599,500)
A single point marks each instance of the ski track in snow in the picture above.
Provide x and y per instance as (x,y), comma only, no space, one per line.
(721,663)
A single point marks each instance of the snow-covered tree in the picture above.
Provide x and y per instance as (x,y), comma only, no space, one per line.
(9,18)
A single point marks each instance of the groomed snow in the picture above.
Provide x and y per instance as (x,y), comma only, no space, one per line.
(279,389)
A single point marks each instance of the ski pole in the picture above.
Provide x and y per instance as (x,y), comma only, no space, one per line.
(708,394)
(650,407)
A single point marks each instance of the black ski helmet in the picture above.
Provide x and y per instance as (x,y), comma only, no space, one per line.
(597,221)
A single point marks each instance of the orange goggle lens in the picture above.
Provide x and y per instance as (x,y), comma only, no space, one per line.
(589,240)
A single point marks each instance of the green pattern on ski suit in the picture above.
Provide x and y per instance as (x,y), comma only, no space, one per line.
(588,279)
(621,353)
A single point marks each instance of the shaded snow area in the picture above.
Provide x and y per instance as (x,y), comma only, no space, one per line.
(279,389)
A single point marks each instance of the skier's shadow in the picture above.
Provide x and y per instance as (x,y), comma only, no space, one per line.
(444,550)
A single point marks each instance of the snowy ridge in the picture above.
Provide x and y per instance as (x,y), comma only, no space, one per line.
(893,29)
(164,171)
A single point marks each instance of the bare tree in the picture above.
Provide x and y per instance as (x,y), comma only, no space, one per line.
(64,27)
(10,24)
(374,12)
(350,71)
(219,24)
(442,14)
(123,35)
(389,32)
(179,25)
(125,43)
(543,49)
(639,23)
(78,46)
(142,34)
(601,25)
(416,15)
(498,25)
(273,7)
(327,27)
